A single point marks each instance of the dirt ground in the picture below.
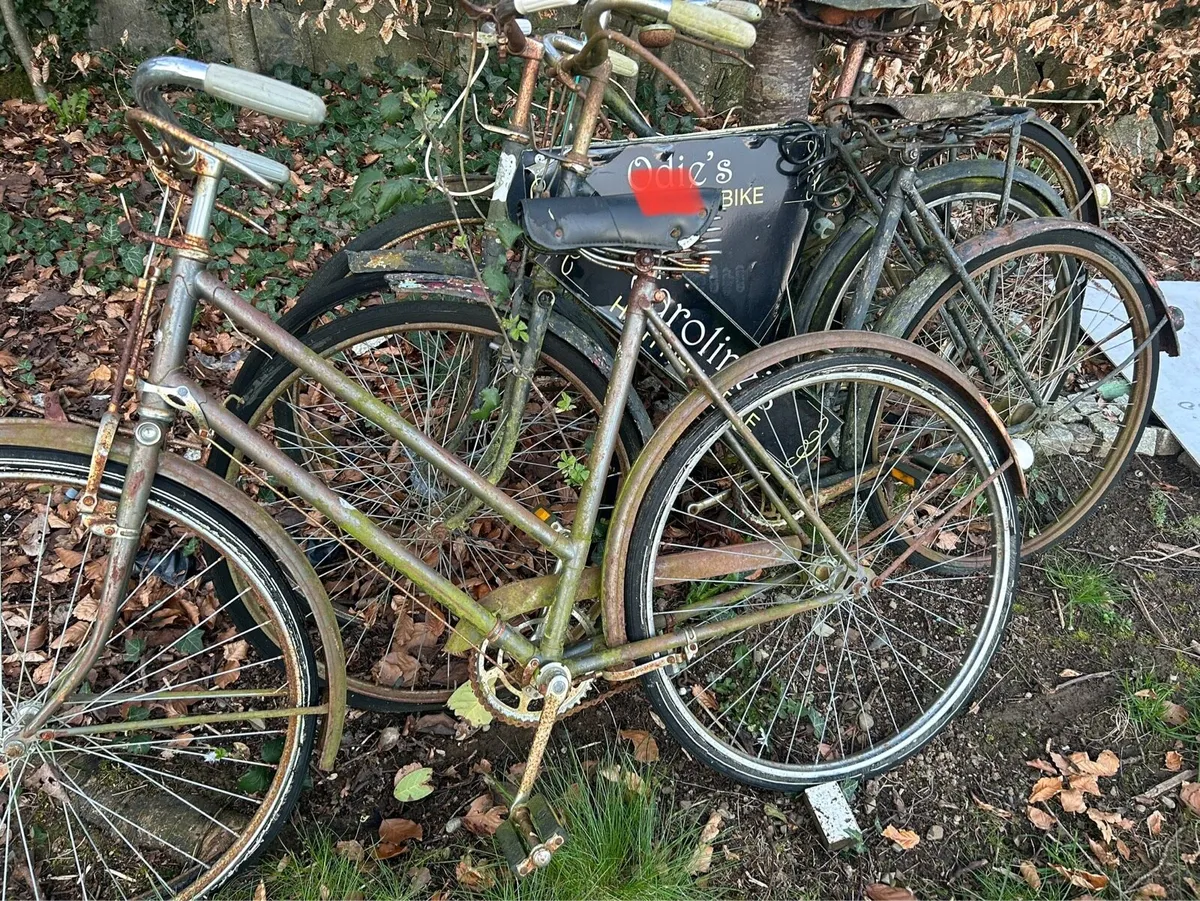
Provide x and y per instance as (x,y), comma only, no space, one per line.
(1057,688)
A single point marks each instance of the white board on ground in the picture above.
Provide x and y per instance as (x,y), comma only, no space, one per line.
(1177,399)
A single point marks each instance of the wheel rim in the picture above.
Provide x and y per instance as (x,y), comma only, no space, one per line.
(134,786)
(817,743)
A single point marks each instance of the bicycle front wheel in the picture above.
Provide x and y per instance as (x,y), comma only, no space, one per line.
(185,749)
(897,643)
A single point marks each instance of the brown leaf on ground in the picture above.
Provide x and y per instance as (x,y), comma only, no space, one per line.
(631,780)
(388,850)
(1189,794)
(483,817)
(1072,801)
(1061,762)
(1106,764)
(397,831)
(881,891)
(1123,850)
(1029,872)
(1103,855)
(702,856)
(260,891)
(1152,890)
(645,748)
(1040,764)
(706,698)
(1040,818)
(1045,789)
(1173,761)
(1154,822)
(1093,882)
(351,850)
(475,877)
(992,809)
(1086,783)
(905,838)
(1174,714)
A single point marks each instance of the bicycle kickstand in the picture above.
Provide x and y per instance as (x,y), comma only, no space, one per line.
(532,832)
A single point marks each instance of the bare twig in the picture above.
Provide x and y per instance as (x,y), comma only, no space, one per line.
(1165,786)
(1154,627)
(1087,678)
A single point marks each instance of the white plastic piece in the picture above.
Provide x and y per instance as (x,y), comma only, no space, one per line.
(266,95)
(525,7)
(1103,196)
(1024,453)
(276,173)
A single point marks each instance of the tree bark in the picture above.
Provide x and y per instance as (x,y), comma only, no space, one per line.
(781,83)
(243,45)
(16,31)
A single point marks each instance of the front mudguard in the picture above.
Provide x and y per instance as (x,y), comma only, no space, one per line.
(79,439)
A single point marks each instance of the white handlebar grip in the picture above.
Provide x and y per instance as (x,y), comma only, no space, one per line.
(622,65)
(747,12)
(276,173)
(266,95)
(525,7)
(711,24)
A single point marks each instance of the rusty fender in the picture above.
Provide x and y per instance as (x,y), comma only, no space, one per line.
(79,439)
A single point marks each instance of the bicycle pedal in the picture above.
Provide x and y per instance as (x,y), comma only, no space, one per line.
(530,836)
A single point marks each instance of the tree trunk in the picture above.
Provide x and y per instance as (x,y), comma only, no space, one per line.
(243,45)
(781,83)
(16,31)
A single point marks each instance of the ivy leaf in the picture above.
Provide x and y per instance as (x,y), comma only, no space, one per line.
(365,181)
(134,648)
(191,642)
(509,232)
(110,233)
(391,194)
(466,705)
(272,751)
(133,258)
(255,780)
(490,400)
(412,783)
(392,108)
(496,279)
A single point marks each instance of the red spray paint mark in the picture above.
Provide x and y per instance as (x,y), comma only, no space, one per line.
(662,192)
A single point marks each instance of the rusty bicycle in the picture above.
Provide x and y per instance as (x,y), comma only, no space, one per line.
(808,568)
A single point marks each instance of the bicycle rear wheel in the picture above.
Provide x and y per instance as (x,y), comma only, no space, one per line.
(899,643)
(1078,314)
(185,750)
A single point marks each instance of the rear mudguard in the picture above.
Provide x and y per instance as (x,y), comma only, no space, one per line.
(635,485)
(79,439)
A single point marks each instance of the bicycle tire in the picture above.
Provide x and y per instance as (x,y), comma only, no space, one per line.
(693,713)
(146,768)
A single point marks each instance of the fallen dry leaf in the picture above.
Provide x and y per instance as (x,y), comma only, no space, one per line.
(398,831)
(702,856)
(1029,872)
(260,891)
(351,850)
(476,878)
(1086,783)
(881,891)
(1173,761)
(706,698)
(1154,822)
(1106,764)
(631,780)
(1103,856)
(645,748)
(992,809)
(1152,890)
(1189,794)
(1082,878)
(905,838)
(1174,714)
(1045,789)
(1040,818)
(1072,801)
(1040,764)
(483,817)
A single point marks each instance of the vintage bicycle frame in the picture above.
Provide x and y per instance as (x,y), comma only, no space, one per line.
(168,391)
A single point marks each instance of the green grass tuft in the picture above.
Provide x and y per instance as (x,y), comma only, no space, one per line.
(1092,595)
(623,844)
(1153,706)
